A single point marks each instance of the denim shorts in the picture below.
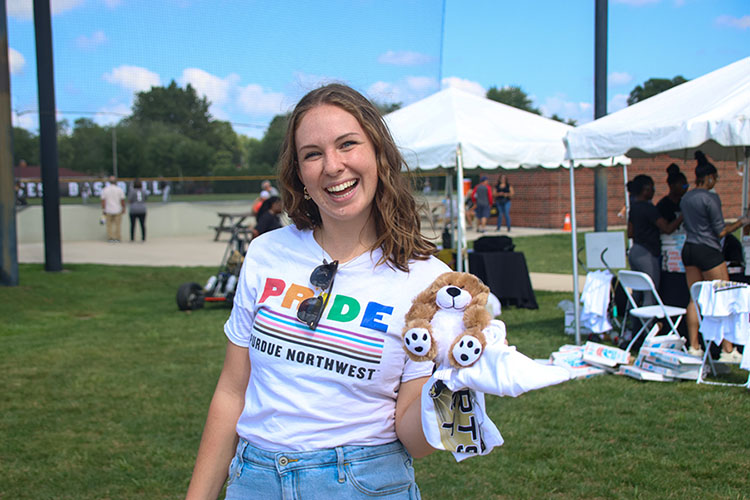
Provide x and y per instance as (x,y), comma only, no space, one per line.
(346,472)
(482,211)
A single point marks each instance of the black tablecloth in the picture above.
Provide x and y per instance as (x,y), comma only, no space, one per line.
(507,276)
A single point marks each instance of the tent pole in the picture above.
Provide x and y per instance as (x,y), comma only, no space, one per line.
(574,244)
(461,239)
(745,169)
(449,209)
(627,200)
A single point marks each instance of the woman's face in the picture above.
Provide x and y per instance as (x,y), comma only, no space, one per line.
(679,188)
(337,164)
(648,192)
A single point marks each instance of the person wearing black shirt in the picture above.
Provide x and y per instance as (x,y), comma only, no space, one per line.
(645,225)
(669,206)
(268,216)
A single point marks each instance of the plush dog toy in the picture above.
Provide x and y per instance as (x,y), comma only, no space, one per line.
(447,321)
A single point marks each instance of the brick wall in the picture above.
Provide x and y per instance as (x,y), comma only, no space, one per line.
(542,196)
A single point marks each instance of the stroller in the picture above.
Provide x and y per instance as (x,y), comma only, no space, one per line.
(221,286)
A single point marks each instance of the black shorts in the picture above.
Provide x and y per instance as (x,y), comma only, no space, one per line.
(701,256)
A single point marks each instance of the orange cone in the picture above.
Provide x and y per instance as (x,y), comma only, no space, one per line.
(566,225)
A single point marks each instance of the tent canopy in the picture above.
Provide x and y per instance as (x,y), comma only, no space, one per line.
(711,113)
(490,134)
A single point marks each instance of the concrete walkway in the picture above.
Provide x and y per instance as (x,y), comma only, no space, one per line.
(203,251)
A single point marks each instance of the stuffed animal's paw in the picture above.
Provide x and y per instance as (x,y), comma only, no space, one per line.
(418,341)
(467,350)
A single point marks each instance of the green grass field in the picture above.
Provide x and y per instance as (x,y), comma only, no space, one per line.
(106,386)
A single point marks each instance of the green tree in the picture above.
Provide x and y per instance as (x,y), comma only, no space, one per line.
(559,118)
(179,136)
(386,108)
(25,147)
(652,87)
(512,96)
(91,147)
(265,154)
(179,108)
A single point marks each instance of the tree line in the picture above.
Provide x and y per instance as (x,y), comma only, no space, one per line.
(171,133)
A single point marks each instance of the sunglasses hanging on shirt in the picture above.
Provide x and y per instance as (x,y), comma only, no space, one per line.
(311,309)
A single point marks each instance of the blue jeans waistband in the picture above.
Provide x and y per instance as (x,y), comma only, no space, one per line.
(294,460)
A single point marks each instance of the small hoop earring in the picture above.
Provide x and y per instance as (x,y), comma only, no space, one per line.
(306,194)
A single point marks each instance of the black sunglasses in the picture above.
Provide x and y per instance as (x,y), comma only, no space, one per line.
(311,310)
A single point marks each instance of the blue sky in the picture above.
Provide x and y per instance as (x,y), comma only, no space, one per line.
(254,58)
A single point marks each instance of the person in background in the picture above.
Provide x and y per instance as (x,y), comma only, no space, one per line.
(85,192)
(262,197)
(268,216)
(702,254)
(645,225)
(305,429)
(20,194)
(482,198)
(113,206)
(503,194)
(166,188)
(137,208)
(268,187)
(669,205)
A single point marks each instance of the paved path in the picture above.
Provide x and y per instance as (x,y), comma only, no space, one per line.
(203,251)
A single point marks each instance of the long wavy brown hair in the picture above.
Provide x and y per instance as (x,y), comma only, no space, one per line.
(397,221)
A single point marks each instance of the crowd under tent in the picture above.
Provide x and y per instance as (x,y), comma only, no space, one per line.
(457,128)
(710,113)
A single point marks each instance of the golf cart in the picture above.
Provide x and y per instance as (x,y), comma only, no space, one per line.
(221,286)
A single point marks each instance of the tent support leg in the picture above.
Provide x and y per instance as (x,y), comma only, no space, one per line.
(574,245)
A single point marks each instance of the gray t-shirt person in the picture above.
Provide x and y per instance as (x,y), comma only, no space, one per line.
(703,222)
(137,201)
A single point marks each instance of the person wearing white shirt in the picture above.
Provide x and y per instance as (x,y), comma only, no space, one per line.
(331,407)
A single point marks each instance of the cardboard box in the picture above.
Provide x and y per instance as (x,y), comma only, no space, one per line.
(671,341)
(579,368)
(640,374)
(689,372)
(604,355)
(670,358)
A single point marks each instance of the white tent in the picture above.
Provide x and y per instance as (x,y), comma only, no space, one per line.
(455,127)
(489,133)
(711,113)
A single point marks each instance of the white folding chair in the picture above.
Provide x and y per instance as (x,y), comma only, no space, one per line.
(695,291)
(637,281)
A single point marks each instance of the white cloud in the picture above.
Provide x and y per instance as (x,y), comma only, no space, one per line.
(111,114)
(404,58)
(405,91)
(557,104)
(29,121)
(17,61)
(617,102)
(216,89)
(24,9)
(133,78)
(254,99)
(742,23)
(91,42)
(467,85)
(618,78)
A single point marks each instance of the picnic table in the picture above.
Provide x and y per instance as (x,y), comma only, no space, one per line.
(229,222)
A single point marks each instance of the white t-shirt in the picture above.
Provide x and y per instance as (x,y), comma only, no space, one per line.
(337,385)
(112,195)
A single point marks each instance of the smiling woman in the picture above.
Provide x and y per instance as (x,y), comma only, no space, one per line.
(332,409)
